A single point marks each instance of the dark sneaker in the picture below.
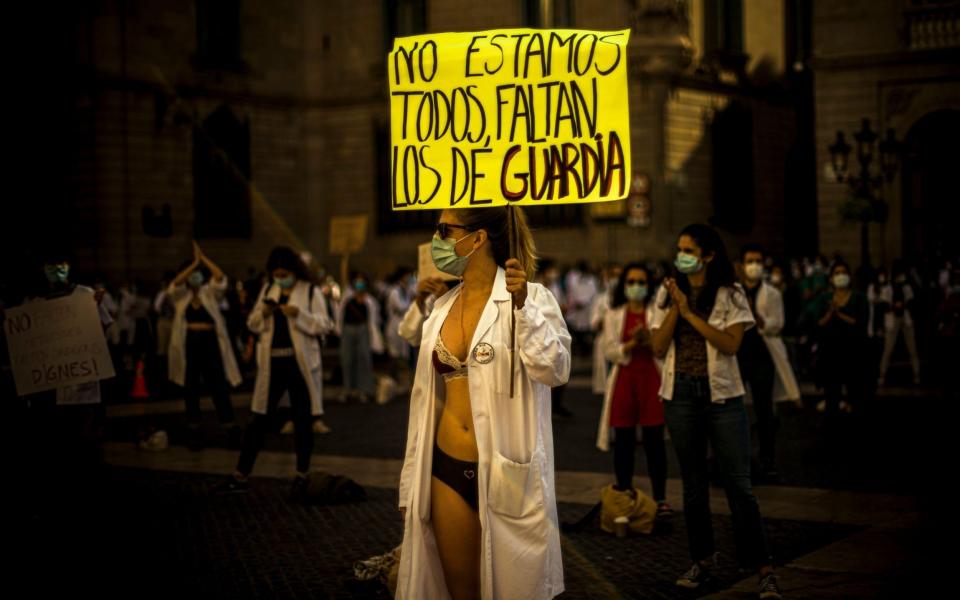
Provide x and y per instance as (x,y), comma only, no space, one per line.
(769,588)
(664,510)
(697,575)
(232,485)
(298,489)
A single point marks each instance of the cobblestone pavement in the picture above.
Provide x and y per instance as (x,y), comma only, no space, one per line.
(161,534)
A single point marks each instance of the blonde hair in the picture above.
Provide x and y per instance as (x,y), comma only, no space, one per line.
(509,234)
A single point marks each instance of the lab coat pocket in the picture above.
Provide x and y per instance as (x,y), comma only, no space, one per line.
(514,487)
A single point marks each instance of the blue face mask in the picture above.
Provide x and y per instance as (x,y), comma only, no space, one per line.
(445,256)
(360,286)
(195,279)
(285,282)
(687,263)
(57,273)
(635,292)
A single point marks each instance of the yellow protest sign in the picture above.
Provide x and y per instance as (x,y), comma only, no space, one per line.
(524,116)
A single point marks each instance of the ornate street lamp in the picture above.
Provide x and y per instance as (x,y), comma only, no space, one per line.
(865,204)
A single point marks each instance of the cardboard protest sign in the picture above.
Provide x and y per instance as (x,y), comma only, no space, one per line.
(523,116)
(57,343)
(425,266)
(348,234)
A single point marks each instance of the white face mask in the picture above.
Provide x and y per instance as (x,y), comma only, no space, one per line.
(841,281)
(753,271)
(776,279)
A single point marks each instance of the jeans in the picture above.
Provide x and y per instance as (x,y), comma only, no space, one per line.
(694,421)
(624,453)
(357,359)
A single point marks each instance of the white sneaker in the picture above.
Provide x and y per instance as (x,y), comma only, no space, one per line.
(157,442)
(386,388)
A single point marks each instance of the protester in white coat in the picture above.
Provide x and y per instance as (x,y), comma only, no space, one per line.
(701,315)
(410,327)
(289,315)
(601,304)
(399,297)
(200,348)
(763,361)
(477,486)
(358,325)
(897,298)
(632,397)
(581,291)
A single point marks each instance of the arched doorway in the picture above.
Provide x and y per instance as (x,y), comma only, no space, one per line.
(931,211)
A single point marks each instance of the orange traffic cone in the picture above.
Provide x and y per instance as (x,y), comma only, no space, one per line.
(139,383)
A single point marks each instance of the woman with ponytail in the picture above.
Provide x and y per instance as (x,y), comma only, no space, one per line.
(697,329)
(477,485)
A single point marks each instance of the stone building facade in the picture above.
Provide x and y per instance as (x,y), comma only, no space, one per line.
(248,124)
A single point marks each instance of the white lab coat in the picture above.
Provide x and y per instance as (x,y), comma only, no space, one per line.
(373,319)
(769,306)
(890,318)
(311,321)
(410,327)
(600,367)
(398,302)
(210,294)
(611,344)
(520,554)
(581,290)
(729,308)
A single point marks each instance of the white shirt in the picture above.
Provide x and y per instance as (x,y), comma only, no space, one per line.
(731,307)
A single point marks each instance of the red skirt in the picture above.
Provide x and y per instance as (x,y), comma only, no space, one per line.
(636,395)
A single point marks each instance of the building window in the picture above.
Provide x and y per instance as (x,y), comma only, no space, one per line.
(732,144)
(723,26)
(221,172)
(556,14)
(218,34)
(404,17)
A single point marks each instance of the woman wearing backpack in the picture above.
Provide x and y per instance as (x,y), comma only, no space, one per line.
(288,317)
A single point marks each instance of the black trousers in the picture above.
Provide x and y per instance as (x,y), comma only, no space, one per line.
(205,366)
(758,370)
(624,452)
(285,376)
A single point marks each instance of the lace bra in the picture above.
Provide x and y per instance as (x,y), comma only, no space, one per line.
(449,366)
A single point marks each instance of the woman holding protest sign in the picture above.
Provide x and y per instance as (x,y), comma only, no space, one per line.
(477,486)
(200,350)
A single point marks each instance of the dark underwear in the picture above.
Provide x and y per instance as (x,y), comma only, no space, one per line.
(460,475)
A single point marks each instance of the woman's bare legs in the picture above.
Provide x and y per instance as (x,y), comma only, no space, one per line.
(456,527)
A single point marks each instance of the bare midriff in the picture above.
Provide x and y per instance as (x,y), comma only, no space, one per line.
(455,433)
(200,327)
